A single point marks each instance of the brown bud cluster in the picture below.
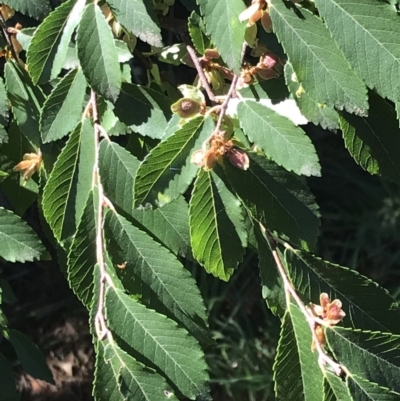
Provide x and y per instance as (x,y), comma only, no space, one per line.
(219,147)
(329,312)
(29,165)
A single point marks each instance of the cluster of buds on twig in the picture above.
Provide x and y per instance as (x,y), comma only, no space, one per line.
(330,312)
(217,147)
(269,66)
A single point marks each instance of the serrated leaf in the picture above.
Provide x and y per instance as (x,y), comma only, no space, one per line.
(68,186)
(319,65)
(215,241)
(363,390)
(197,33)
(34,8)
(314,111)
(82,255)
(49,45)
(119,376)
(144,110)
(62,110)
(367,305)
(160,341)
(98,54)
(168,224)
(26,101)
(335,388)
(118,168)
(373,141)
(286,144)
(297,374)
(167,171)
(8,389)
(281,200)
(19,243)
(373,356)
(30,357)
(273,94)
(227,32)
(368,33)
(164,284)
(138,17)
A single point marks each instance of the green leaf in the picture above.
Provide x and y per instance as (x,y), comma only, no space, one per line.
(316,112)
(167,171)
(82,255)
(286,144)
(227,32)
(144,110)
(62,110)
(168,224)
(363,390)
(119,376)
(26,101)
(373,141)
(34,8)
(281,200)
(215,241)
(319,65)
(19,243)
(8,389)
(68,186)
(197,33)
(3,175)
(118,168)
(98,54)
(367,305)
(138,17)
(49,45)
(368,33)
(30,357)
(336,388)
(297,374)
(373,356)
(164,284)
(159,340)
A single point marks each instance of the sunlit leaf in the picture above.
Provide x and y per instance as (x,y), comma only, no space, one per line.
(63,108)
(98,54)
(283,142)
(227,32)
(68,186)
(317,62)
(19,243)
(49,45)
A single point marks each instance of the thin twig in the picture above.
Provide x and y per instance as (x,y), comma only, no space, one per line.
(224,105)
(202,76)
(100,321)
(7,36)
(323,358)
